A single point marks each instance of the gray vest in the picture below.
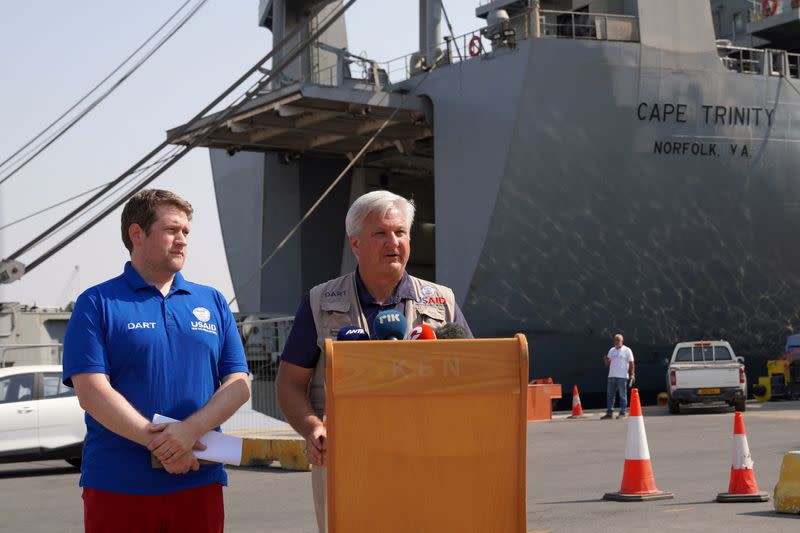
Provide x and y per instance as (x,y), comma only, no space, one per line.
(335,304)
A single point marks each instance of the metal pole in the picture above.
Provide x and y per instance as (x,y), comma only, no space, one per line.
(573,25)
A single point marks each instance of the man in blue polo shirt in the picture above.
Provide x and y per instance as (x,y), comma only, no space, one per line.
(378,226)
(147,342)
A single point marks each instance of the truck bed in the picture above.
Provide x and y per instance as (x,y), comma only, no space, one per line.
(706,375)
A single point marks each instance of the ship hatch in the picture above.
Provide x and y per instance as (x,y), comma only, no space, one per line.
(323,122)
(320,122)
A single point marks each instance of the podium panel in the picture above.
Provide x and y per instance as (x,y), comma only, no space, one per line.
(427,436)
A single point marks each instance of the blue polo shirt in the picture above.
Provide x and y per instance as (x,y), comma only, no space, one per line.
(165,355)
(301,346)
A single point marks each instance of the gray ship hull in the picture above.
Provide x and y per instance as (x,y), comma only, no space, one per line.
(579,188)
(592,231)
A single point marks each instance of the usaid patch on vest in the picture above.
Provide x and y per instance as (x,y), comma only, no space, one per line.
(429,296)
(203,316)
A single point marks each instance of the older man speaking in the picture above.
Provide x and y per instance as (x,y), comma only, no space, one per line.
(378,228)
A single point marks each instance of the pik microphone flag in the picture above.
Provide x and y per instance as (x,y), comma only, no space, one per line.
(389,326)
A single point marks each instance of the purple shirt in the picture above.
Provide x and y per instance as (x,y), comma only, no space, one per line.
(301,347)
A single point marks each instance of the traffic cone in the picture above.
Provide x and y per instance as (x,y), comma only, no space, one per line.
(638,483)
(577,410)
(742,487)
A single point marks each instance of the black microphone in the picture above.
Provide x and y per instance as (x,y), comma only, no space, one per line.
(389,326)
(451,330)
(352,333)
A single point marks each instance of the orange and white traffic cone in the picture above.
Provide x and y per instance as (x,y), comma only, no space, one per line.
(577,410)
(742,486)
(638,483)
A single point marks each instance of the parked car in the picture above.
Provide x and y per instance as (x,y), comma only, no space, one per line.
(705,372)
(40,417)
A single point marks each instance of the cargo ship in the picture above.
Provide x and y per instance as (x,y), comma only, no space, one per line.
(580,168)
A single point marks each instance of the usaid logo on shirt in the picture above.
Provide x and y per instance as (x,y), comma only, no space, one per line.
(203,316)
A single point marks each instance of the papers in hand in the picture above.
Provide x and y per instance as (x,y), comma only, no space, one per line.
(220,448)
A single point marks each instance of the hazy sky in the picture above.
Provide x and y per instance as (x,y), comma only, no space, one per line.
(53,52)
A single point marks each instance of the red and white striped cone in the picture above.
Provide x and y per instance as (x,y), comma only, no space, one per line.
(577,410)
(742,486)
(638,483)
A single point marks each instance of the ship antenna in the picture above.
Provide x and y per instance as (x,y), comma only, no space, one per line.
(450,28)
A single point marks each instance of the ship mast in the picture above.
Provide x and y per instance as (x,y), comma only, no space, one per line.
(430,29)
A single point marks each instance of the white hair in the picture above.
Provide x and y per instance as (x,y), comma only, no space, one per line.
(379,202)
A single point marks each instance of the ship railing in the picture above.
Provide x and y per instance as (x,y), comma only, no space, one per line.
(760,61)
(455,49)
(482,41)
(592,26)
(362,73)
(31,354)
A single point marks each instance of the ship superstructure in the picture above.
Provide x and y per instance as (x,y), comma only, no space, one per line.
(580,168)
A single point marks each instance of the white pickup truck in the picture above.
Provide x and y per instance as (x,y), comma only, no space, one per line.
(705,372)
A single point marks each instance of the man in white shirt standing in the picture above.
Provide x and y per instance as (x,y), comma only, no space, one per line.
(620,367)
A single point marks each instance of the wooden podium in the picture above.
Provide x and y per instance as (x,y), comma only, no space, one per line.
(427,436)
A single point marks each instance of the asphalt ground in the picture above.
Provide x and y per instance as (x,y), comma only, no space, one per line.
(571,464)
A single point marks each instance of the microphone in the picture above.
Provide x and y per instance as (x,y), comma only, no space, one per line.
(352,333)
(423,332)
(451,330)
(389,326)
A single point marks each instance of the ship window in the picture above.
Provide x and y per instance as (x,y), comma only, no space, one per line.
(684,355)
(738,23)
(576,24)
(717,16)
(721,353)
(6,324)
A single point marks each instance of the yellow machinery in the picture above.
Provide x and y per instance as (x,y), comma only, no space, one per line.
(782,380)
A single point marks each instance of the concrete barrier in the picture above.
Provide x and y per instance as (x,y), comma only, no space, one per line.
(787,491)
(261,448)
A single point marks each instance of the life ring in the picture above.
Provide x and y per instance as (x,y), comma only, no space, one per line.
(475,46)
(769,7)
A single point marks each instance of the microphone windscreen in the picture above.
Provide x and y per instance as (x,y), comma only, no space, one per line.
(352,333)
(451,330)
(423,332)
(389,326)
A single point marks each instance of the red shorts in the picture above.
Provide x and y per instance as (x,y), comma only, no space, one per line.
(198,510)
